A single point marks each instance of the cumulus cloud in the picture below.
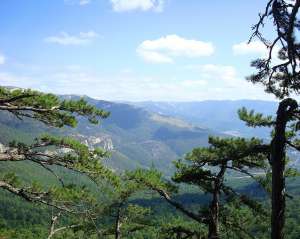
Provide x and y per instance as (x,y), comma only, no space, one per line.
(154,57)
(2,59)
(142,5)
(66,39)
(165,49)
(254,48)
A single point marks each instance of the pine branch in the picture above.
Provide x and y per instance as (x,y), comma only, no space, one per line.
(180,207)
(253,119)
(32,196)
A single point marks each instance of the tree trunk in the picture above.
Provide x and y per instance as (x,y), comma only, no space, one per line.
(118,225)
(278,145)
(213,226)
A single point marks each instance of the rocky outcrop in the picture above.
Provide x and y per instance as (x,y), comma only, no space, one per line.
(103,141)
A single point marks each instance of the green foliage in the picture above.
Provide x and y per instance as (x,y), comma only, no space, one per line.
(11,178)
(174,227)
(206,168)
(47,108)
(241,153)
(239,221)
(152,179)
(253,119)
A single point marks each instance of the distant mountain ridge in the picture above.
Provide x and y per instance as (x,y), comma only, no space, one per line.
(146,134)
(136,137)
(220,115)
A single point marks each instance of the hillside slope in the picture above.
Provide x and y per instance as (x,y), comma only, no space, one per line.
(134,136)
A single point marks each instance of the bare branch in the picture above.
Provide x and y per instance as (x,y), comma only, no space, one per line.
(53,231)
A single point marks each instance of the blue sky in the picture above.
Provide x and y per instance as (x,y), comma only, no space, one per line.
(132,50)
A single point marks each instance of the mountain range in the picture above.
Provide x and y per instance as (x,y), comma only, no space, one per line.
(145,134)
(220,115)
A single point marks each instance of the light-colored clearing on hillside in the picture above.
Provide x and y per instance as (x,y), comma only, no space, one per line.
(171,121)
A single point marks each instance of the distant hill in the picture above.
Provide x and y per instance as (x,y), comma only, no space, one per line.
(220,115)
(146,134)
(135,136)
(143,138)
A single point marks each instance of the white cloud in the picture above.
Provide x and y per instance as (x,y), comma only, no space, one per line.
(224,82)
(254,47)
(258,49)
(84,2)
(165,49)
(143,5)
(218,76)
(194,83)
(2,59)
(202,82)
(10,79)
(154,57)
(216,72)
(64,38)
(78,2)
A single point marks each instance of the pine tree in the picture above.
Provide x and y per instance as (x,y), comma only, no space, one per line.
(128,217)
(206,168)
(280,77)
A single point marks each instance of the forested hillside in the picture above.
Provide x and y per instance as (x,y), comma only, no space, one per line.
(134,136)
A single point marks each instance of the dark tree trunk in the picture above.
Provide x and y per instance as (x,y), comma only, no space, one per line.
(118,225)
(213,226)
(286,107)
